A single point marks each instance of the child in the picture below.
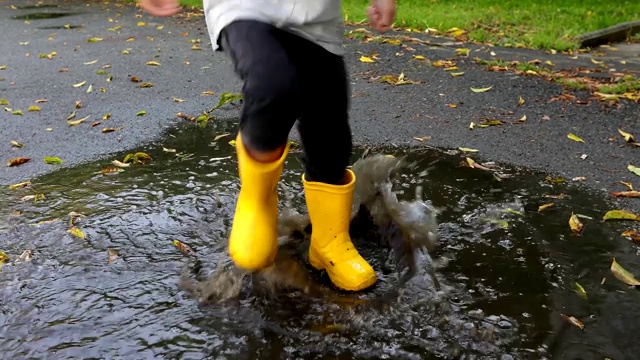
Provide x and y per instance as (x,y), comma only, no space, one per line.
(289,55)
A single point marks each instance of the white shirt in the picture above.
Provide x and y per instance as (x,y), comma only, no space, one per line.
(317,20)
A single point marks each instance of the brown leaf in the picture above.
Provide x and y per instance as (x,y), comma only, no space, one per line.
(110,171)
(623,275)
(112,255)
(544,206)
(108,130)
(18,161)
(632,234)
(573,321)
(135,79)
(626,193)
(184,248)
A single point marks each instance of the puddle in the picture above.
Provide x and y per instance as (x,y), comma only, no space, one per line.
(42,16)
(36,6)
(503,288)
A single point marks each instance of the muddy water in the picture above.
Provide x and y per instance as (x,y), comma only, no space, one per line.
(506,272)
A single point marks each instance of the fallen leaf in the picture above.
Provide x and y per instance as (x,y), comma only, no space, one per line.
(453,106)
(575,224)
(422,139)
(480,90)
(90,88)
(4,101)
(34,108)
(627,137)
(634,169)
(52,160)
(3,258)
(626,193)
(18,161)
(142,23)
(419,57)
(366,59)
(627,184)
(141,113)
(91,62)
(178,100)
(40,101)
(573,321)
(472,125)
(108,130)
(632,234)
(77,122)
(544,206)
(168,150)
(574,137)
(24,257)
(94,39)
(183,247)
(16,144)
(17,112)
(462,52)
(620,215)
(106,116)
(76,232)
(119,163)
(79,84)
(220,136)
(623,275)
(112,255)
(153,63)
(78,105)
(227,98)
(111,170)
(490,122)
(464,149)
(521,101)
(135,79)
(232,143)
(580,290)
(455,74)
(452,68)
(145,85)
(20,185)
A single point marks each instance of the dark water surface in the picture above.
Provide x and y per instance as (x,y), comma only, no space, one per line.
(503,289)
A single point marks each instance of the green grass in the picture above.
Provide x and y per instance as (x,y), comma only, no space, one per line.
(540,24)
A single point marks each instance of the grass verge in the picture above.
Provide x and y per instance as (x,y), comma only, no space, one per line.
(538,24)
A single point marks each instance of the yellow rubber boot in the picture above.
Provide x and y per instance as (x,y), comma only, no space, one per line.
(253,242)
(331,248)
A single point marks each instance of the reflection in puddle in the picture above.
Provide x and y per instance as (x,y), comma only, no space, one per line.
(42,16)
(506,271)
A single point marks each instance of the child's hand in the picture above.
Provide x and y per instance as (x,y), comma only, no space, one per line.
(381,14)
(160,7)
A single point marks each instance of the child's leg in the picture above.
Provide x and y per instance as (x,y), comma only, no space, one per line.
(270,108)
(326,137)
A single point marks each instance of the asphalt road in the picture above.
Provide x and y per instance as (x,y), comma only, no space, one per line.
(381,114)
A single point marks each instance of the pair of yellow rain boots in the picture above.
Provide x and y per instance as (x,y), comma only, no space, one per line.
(253,242)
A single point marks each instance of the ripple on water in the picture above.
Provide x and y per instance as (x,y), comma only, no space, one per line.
(506,278)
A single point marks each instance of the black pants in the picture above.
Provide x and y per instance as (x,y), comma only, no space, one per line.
(288,78)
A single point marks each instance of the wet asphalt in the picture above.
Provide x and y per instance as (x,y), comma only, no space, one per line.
(125,40)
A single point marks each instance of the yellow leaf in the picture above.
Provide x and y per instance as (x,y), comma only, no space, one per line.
(34,108)
(634,169)
(451,68)
(153,63)
(232,143)
(422,139)
(531,72)
(464,149)
(178,100)
(52,160)
(208,92)
(91,62)
(623,275)
(94,39)
(16,144)
(419,57)
(620,215)
(463,52)
(220,136)
(76,232)
(108,130)
(548,62)
(20,185)
(106,116)
(168,150)
(574,137)
(3,258)
(76,122)
(627,137)
(575,224)
(142,23)
(521,101)
(479,90)
(544,206)
(453,106)
(79,84)
(454,74)
(366,59)
(580,290)
(472,125)
(596,61)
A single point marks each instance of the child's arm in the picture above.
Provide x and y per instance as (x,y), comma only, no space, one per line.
(160,7)
(381,14)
